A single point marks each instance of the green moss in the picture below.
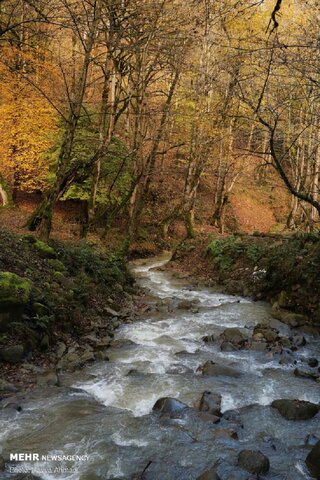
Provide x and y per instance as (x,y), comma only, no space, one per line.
(14,290)
(45,250)
(57,265)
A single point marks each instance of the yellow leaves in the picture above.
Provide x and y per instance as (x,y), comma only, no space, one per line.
(26,127)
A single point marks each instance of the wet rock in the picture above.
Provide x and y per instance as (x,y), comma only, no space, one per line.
(234,336)
(61,349)
(313,461)
(226,433)
(214,370)
(210,474)
(6,387)
(228,347)
(208,417)
(286,360)
(101,355)
(295,409)
(211,403)
(299,372)
(208,339)
(299,341)
(122,343)
(259,346)
(48,378)
(313,362)
(12,354)
(186,305)
(311,440)
(168,405)
(2,464)
(266,333)
(253,461)
(290,318)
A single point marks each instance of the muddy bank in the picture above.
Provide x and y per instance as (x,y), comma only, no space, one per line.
(281,270)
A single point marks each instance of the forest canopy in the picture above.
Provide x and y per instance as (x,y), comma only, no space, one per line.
(133,106)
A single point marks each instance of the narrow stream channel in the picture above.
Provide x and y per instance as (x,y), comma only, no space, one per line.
(105,411)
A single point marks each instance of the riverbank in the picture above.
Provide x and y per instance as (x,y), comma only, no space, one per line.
(59,307)
(281,270)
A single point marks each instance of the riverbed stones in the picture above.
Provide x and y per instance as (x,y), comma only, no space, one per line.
(211,403)
(168,405)
(12,354)
(313,461)
(253,461)
(295,409)
(214,370)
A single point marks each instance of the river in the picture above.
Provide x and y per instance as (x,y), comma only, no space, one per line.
(104,413)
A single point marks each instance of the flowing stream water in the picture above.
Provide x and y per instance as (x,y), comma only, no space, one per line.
(105,411)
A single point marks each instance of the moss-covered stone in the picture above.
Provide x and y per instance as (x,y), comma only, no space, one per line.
(14,290)
(56,265)
(44,249)
(39,309)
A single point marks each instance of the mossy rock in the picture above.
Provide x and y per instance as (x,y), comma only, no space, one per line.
(44,249)
(39,309)
(14,290)
(57,265)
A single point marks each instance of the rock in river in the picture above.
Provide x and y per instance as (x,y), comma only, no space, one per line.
(214,370)
(168,405)
(253,461)
(211,403)
(313,461)
(296,409)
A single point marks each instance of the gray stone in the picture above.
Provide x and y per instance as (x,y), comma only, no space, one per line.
(214,370)
(168,405)
(12,354)
(295,409)
(253,461)
(211,403)
(49,378)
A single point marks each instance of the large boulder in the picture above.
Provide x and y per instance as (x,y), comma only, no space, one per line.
(253,461)
(14,290)
(313,461)
(12,354)
(215,370)
(168,405)
(211,403)
(296,409)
